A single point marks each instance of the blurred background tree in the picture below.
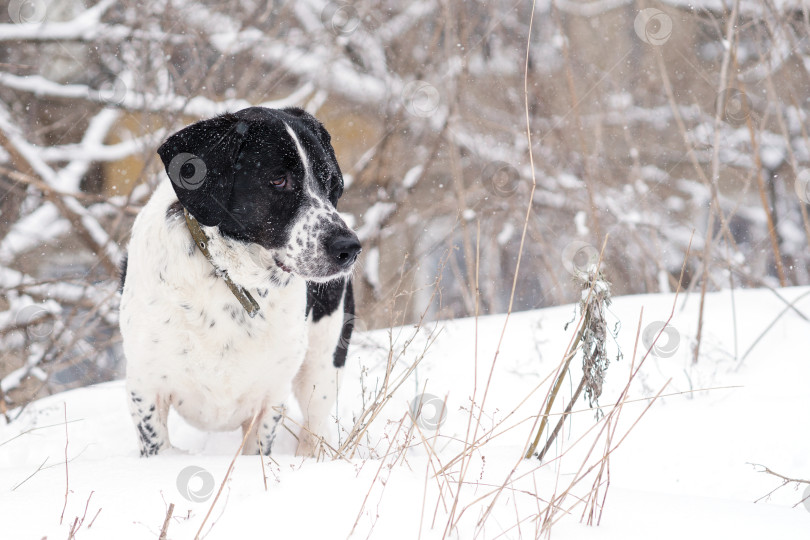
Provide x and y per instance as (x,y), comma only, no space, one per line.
(650,121)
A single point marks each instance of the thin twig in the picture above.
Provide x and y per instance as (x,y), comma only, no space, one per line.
(529,204)
(73,528)
(94,518)
(227,474)
(560,422)
(768,328)
(165,528)
(767,208)
(67,479)
(27,478)
(377,474)
(261,460)
(561,373)
(714,207)
(766,470)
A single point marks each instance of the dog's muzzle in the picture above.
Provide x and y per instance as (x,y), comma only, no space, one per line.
(343,249)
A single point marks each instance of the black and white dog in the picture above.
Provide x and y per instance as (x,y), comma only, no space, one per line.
(237,286)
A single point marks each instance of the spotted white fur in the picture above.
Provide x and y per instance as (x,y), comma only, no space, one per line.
(189,343)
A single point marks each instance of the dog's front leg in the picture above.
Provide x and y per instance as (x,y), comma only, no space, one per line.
(316,383)
(149,413)
(316,388)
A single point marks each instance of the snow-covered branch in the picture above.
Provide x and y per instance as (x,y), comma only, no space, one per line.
(124,98)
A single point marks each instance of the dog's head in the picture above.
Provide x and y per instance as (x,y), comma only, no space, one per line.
(269,180)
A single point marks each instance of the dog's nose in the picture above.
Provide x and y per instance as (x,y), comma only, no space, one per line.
(344,248)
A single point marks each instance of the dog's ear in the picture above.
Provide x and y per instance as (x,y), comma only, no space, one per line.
(336,189)
(199,160)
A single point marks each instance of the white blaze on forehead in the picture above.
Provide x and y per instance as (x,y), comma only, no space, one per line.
(301,152)
(305,252)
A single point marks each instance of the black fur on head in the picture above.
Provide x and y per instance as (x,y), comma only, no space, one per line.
(199,160)
(261,176)
(205,159)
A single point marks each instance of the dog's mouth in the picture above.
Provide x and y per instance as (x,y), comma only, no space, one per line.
(282,265)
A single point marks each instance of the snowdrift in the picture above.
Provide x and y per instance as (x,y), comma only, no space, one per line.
(686,468)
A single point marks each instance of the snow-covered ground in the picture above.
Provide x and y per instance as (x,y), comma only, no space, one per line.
(684,471)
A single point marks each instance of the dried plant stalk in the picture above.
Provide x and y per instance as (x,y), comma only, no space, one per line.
(591,339)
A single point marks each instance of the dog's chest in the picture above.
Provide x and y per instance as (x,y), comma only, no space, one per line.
(187,337)
(219,331)
(235,361)
(217,364)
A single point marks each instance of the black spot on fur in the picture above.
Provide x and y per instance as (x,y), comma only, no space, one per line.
(174,212)
(236,311)
(324,298)
(147,435)
(342,349)
(123,277)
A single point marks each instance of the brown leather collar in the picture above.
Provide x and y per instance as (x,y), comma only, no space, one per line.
(201,239)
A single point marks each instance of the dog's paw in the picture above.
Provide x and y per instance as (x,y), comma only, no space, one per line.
(163,451)
(307,445)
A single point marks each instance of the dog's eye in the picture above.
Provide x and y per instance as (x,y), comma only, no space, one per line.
(279,182)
